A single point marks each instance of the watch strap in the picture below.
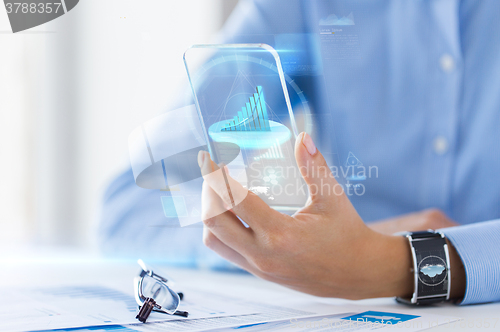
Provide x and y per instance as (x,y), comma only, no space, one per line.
(428,246)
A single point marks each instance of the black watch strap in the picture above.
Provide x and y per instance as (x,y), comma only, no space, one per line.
(431,268)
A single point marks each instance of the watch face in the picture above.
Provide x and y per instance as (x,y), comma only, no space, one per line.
(432,270)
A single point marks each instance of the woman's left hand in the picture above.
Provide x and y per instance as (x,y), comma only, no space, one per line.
(325,249)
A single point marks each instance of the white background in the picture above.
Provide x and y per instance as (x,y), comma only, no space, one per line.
(71,91)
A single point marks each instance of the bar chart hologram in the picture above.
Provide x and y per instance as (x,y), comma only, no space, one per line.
(252,117)
(273,153)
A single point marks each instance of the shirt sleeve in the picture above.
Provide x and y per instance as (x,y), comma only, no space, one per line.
(479,249)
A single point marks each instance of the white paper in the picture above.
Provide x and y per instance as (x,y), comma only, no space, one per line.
(274,320)
(77,306)
(268,313)
(81,306)
(339,322)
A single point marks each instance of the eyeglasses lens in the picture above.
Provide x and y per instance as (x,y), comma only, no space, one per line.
(163,296)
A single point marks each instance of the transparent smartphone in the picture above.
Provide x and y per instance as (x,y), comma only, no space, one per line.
(242,99)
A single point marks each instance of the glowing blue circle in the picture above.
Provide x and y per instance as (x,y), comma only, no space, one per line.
(251,139)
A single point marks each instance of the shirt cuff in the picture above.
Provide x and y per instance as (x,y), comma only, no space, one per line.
(478,247)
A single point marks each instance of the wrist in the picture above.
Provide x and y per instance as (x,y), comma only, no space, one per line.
(400,275)
(391,266)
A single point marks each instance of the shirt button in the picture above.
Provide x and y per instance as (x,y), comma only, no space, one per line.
(447,63)
(440,145)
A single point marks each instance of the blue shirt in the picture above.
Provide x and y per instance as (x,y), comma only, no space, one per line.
(409,87)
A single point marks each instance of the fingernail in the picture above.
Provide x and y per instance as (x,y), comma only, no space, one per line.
(201,158)
(309,144)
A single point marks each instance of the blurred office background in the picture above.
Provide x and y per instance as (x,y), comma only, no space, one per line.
(71,91)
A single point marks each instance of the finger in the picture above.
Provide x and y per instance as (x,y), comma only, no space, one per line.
(315,171)
(248,206)
(223,223)
(212,242)
(227,188)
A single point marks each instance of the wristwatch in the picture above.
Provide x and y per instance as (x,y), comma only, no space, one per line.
(431,268)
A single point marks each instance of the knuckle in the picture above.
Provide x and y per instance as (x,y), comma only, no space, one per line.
(269,241)
(206,214)
(435,218)
(435,215)
(282,242)
(265,264)
(321,206)
(224,194)
(210,222)
(209,240)
(278,241)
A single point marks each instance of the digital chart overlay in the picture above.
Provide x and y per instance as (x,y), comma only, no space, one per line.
(253,116)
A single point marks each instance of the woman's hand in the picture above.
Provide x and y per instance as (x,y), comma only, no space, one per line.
(325,249)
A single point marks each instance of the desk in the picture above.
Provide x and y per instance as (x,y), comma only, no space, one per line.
(63,267)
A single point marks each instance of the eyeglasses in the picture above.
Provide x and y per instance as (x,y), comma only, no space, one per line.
(154,293)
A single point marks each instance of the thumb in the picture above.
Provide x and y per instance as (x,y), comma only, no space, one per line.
(315,171)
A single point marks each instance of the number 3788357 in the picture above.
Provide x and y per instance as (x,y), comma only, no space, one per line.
(33,8)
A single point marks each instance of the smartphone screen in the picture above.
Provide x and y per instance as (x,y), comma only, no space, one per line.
(245,112)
